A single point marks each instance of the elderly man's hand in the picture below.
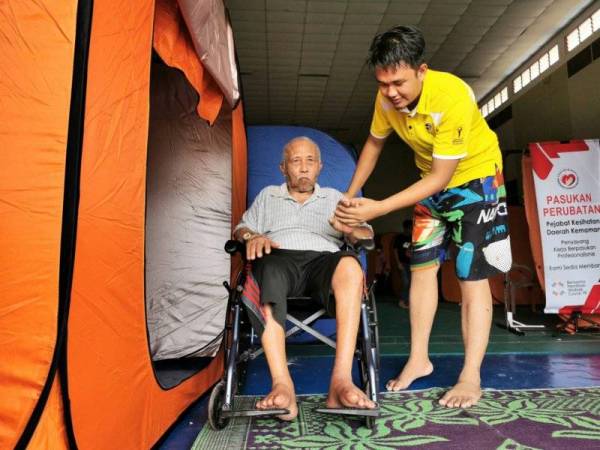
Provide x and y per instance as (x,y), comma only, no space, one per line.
(353,212)
(258,245)
(339,226)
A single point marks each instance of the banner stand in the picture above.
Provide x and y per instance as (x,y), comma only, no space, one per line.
(510,308)
(566,186)
(527,275)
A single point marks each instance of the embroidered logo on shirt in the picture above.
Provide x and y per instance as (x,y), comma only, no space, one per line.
(458,140)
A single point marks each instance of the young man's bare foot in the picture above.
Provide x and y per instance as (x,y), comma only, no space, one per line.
(412,371)
(465,393)
(344,394)
(282,396)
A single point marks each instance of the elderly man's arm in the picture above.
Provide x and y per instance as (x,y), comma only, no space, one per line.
(243,233)
(256,244)
(248,230)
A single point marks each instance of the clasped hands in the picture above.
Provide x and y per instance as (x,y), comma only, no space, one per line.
(354,212)
(349,217)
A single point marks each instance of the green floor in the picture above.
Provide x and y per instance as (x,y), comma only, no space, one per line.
(394,333)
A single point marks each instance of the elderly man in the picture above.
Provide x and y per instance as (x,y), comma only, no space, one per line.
(294,245)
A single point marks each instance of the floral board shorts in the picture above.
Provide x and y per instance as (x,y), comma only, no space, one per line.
(475,217)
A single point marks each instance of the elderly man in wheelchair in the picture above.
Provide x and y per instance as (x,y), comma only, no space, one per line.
(294,245)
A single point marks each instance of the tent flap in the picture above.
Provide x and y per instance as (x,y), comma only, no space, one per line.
(173,43)
(212,37)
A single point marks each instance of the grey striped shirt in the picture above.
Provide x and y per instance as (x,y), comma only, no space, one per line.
(292,225)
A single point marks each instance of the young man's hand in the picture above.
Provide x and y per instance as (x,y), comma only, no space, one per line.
(353,212)
(259,245)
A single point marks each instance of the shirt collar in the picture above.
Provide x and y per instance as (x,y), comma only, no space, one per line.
(410,112)
(284,193)
(423,104)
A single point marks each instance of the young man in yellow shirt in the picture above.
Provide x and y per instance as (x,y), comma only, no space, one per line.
(460,197)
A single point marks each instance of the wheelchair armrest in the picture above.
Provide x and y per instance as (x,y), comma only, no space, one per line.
(360,245)
(233,246)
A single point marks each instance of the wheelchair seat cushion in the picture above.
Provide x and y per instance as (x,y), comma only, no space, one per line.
(289,273)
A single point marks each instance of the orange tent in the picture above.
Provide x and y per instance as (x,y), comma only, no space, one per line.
(75,363)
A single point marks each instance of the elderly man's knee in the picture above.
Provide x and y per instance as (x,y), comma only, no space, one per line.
(268,311)
(347,272)
(271,311)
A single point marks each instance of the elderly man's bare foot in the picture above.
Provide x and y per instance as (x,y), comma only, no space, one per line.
(282,396)
(412,370)
(464,394)
(344,394)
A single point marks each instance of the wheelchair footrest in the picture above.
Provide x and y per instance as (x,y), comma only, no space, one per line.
(351,411)
(254,413)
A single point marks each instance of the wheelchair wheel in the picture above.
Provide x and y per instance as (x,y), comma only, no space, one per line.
(366,386)
(370,352)
(215,404)
(370,422)
(374,328)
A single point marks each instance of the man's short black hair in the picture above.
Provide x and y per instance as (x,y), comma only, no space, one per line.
(403,44)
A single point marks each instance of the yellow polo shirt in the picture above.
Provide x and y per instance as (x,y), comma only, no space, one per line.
(446,124)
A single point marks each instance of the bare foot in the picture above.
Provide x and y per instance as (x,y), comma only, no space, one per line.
(282,396)
(403,304)
(464,394)
(344,394)
(412,371)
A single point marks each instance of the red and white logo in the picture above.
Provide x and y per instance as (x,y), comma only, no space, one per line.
(568,179)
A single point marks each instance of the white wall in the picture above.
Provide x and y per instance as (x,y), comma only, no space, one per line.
(558,108)
(584,102)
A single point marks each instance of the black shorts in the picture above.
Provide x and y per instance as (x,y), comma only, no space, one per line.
(289,273)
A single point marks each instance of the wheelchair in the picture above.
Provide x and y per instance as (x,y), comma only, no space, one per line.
(240,347)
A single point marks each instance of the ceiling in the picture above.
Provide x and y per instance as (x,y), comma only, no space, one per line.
(302,62)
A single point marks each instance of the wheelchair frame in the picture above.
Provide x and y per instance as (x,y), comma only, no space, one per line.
(221,406)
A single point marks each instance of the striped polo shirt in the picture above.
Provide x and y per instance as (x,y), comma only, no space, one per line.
(293,225)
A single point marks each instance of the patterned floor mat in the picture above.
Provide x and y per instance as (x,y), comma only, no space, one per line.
(516,420)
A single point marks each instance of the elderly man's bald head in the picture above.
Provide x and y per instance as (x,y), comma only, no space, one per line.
(301,140)
(301,165)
